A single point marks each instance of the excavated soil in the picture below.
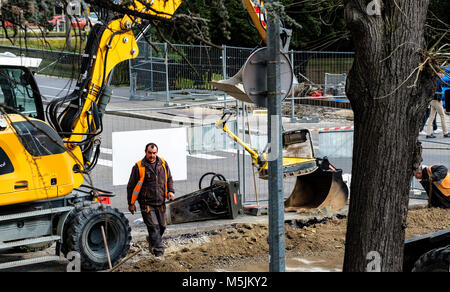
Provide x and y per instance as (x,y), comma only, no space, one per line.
(244,247)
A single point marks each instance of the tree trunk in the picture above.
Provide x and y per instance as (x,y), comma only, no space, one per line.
(389,46)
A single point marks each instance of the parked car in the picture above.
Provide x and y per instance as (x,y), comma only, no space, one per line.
(7,24)
(76,22)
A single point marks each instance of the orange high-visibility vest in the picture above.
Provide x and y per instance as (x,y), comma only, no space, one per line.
(138,186)
(443,185)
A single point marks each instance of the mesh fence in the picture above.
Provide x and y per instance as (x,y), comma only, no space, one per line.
(161,68)
(163,71)
(208,149)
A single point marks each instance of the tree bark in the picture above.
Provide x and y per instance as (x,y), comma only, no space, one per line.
(389,95)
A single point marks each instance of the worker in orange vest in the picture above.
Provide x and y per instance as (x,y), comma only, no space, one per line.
(150,184)
(436,182)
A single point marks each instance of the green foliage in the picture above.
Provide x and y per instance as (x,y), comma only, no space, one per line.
(54,44)
(226,23)
(22,13)
(322,23)
(314,23)
(183,83)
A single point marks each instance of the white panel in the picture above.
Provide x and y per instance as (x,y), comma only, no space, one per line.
(128,148)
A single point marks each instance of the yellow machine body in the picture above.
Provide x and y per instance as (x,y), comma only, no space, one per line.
(32,177)
(161,8)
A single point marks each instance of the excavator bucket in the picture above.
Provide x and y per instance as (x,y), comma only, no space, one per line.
(233,87)
(319,189)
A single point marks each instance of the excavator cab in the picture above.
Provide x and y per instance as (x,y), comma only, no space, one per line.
(18,88)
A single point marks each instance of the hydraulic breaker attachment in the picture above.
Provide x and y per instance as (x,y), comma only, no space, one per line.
(221,200)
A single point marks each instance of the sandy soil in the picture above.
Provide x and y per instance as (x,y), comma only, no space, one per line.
(244,247)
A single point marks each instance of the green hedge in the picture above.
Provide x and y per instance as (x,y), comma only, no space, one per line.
(68,66)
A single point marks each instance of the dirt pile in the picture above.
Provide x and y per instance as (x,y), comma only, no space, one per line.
(243,245)
(324,113)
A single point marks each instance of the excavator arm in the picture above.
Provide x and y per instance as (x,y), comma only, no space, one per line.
(78,116)
(257,14)
(80,122)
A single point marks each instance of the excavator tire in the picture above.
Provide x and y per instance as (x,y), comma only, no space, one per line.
(73,214)
(85,237)
(435,260)
(317,190)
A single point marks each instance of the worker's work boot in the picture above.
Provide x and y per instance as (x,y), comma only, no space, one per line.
(150,247)
(159,257)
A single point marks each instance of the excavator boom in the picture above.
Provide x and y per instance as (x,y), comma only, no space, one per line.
(42,196)
(257,13)
(81,120)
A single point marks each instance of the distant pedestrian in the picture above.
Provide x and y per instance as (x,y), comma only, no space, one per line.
(436,182)
(446,89)
(424,122)
(151,184)
(436,106)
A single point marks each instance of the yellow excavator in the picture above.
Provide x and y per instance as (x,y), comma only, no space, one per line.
(43,195)
(319,184)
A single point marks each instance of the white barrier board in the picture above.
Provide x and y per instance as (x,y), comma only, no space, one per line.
(128,148)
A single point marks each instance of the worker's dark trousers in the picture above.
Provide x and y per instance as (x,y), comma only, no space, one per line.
(155,221)
(439,200)
(447,101)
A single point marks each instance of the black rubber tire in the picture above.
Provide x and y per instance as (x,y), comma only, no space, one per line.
(72,215)
(84,236)
(435,260)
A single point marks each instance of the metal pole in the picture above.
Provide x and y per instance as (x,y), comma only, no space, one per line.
(166,62)
(224,72)
(293,119)
(151,65)
(243,152)
(276,194)
(132,81)
(238,152)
